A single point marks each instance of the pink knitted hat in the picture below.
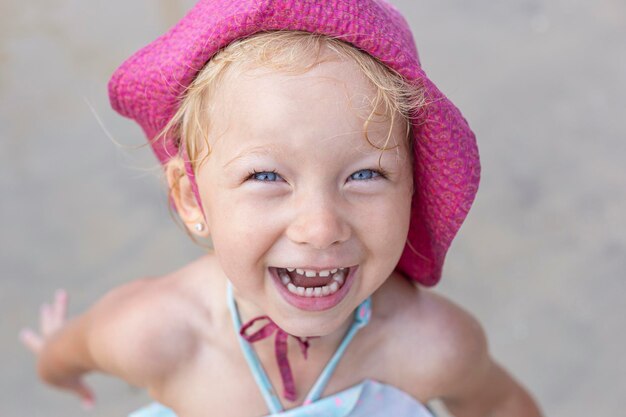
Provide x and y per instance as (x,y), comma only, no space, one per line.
(148,86)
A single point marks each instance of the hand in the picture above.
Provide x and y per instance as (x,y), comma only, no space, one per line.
(52,318)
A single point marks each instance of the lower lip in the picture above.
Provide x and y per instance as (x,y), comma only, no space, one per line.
(314,303)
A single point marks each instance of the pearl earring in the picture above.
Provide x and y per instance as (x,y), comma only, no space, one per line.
(199,227)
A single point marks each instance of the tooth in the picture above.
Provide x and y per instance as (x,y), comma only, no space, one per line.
(333,271)
(324,273)
(300,290)
(291,269)
(308,292)
(325,290)
(300,271)
(334,287)
(317,292)
(292,288)
(338,278)
(310,273)
(284,276)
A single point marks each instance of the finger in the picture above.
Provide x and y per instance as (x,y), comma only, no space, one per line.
(59,308)
(88,404)
(44,319)
(31,340)
(80,388)
(88,400)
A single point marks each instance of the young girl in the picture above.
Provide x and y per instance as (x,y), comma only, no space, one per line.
(331,175)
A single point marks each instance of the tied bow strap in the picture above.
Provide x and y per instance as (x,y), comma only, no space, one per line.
(280,349)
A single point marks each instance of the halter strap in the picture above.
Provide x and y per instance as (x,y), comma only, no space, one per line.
(361,318)
(280,349)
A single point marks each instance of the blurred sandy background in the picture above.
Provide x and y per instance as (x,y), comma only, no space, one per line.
(540,261)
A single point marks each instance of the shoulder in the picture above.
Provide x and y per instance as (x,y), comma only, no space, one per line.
(442,346)
(440,351)
(145,330)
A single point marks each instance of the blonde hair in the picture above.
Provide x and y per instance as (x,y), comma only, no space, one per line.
(292,52)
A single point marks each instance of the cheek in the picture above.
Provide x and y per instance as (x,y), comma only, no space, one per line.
(241,230)
(393,232)
(387,226)
(245,221)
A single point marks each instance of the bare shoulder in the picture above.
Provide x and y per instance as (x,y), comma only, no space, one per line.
(442,344)
(439,350)
(145,330)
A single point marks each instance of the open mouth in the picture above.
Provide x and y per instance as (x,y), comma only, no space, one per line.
(311,283)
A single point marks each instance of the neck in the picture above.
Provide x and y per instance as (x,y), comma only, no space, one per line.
(322,346)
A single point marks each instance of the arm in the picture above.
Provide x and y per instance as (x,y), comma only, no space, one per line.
(50,341)
(476,386)
(456,365)
(65,355)
(127,334)
(494,393)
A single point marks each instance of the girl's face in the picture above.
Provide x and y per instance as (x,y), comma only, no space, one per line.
(291,182)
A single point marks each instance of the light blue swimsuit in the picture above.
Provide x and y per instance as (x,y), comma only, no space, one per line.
(367,399)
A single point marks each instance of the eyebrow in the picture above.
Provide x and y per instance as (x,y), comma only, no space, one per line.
(261,150)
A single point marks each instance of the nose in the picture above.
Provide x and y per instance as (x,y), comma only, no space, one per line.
(318,222)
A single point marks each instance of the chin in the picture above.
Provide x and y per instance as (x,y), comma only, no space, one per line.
(307,326)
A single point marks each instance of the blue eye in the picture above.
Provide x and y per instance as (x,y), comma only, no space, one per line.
(264,176)
(365,174)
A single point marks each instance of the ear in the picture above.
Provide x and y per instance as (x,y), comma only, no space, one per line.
(184,199)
